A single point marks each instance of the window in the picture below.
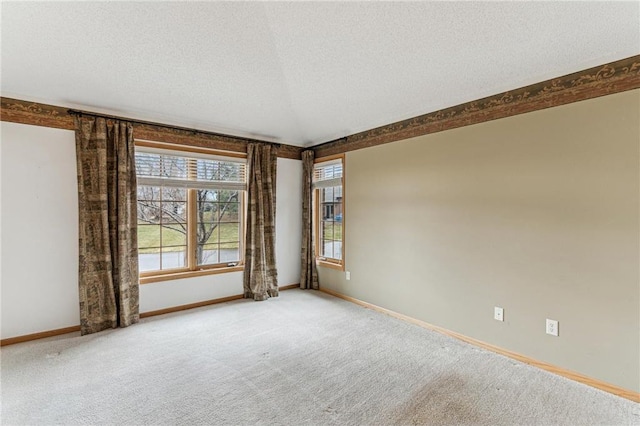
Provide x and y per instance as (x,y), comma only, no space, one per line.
(190,211)
(329,211)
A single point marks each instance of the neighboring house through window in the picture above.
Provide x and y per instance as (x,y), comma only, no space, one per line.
(190,211)
(329,211)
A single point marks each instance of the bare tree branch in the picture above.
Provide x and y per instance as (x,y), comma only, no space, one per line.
(169,213)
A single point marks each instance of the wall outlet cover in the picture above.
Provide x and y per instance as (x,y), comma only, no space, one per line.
(498,313)
(552,327)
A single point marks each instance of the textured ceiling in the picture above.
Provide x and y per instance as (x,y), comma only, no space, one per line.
(300,73)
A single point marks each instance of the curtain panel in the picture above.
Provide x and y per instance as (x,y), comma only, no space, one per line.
(108,241)
(308,269)
(260,273)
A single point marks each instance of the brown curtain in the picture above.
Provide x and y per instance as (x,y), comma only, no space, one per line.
(308,270)
(107,194)
(260,273)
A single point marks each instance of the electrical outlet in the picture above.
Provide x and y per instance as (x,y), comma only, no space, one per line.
(552,327)
(348,275)
(498,313)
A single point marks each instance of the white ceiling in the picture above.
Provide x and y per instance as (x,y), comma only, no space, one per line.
(300,73)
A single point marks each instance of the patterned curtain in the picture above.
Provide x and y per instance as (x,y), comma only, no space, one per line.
(107,194)
(308,270)
(260,273)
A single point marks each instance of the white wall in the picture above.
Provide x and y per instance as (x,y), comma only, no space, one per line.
(166,294)
(39,229)
(39,239)
(288,221)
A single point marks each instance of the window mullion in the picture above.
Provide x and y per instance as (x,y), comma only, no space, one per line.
(316,219)
(192,218)
(161,222)
(243,225)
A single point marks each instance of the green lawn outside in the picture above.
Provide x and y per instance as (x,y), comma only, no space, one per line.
(149,236)
(332,230)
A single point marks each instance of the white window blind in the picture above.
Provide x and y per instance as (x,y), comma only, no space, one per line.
(161,167)
(327,174)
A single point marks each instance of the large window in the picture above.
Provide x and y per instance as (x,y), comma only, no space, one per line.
(329,211)
(190,211)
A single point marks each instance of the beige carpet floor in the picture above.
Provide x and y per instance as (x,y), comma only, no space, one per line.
(304,358)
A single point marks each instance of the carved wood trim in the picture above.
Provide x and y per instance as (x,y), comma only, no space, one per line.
(36,114)
(598,81)
(603,80)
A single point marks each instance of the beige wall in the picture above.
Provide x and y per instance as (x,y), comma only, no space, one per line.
(537,213)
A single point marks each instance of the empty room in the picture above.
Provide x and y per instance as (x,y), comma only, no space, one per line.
(320,213)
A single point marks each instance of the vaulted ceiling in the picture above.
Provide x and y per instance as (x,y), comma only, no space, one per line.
(300,73)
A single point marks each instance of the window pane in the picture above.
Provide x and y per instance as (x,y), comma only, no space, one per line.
(229,232)
(148,192)
(229,212)
(174,257)
(327,194)
(207,254)
(229,206)
(148,236)
(337,193)
(148,164)
(207,195)
(337,250)
(227,195)
(174,194)
(207,233)
(327,211)
(327,171)
(327,239)
(327,230)
(149,259)
(174,167)
(174,212)
(229,252)
(149,211)
(337,216)
(174,235)
(337,231)
(327,248)
(221,171)
(207,212)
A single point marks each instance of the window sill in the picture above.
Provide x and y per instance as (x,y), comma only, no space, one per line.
(189,274)
(331,265)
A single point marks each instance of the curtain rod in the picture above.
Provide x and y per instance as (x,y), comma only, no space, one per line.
(167,126)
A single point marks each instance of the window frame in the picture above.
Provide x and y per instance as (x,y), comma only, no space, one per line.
(192,269)
(328,262)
